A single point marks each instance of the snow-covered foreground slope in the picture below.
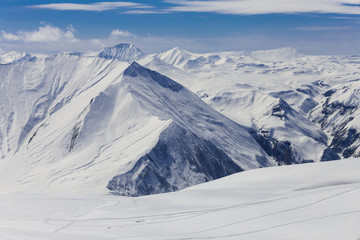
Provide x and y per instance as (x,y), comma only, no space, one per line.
(311,201)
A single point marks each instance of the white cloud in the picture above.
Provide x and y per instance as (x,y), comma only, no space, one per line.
(120,33)
(96,7)
(97,42)
(244,7)
(45,33)
(9,36)
(248,7)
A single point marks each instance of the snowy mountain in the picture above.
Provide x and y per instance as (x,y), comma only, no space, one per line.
(79,123)
(100,122)
(78,128)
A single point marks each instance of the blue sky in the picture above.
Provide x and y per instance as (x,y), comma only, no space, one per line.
(311,26)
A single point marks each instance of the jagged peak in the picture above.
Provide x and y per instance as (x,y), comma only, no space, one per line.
(136,69)
(123,52)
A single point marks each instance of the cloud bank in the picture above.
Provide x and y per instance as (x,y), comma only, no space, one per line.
(45,33)
(249,7)
(243,7)
(95,7)
(116,33)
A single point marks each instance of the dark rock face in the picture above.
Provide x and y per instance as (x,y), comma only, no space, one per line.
(180,159)
(329,92)
(329,109)
(281,151)
(345,138)
(281,110)
(329,155)
(343,142)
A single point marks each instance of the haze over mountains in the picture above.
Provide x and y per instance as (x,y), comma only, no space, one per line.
(100,122)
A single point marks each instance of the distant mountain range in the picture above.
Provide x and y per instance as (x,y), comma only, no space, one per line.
(134,124)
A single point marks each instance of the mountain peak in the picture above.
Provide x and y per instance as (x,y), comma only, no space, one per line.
(123,52)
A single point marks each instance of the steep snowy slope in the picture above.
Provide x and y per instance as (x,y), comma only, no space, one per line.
(279,94)
(74,122)
(309,201)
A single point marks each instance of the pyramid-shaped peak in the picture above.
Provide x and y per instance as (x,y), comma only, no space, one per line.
(123,52)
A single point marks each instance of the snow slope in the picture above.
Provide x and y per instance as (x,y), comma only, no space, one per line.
(310,201)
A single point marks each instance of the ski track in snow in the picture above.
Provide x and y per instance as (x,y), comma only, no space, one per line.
(270,211)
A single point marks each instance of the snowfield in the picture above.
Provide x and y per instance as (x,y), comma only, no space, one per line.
(310,201)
